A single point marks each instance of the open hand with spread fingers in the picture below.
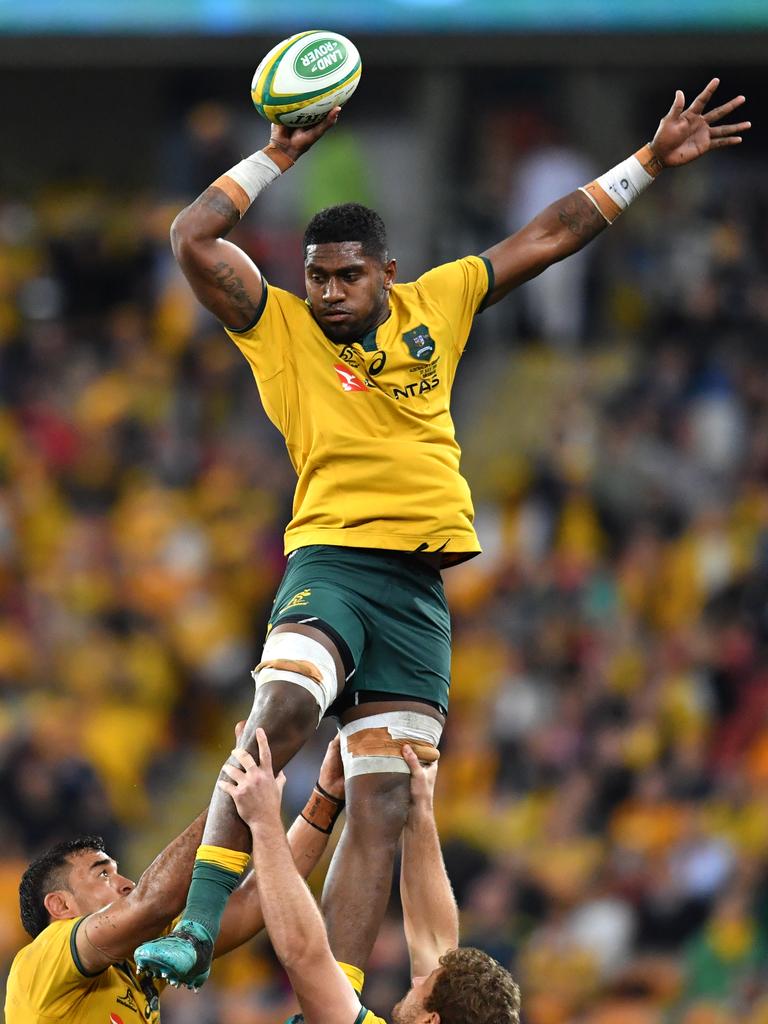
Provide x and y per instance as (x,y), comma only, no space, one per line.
(685,134)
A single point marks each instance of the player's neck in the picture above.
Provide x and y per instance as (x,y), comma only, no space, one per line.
(382,315)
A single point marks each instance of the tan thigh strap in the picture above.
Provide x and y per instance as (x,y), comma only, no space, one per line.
(379,743)
(303,668)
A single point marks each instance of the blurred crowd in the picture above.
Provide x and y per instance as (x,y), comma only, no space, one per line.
(603,791)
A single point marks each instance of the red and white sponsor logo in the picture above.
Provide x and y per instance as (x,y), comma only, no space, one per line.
(114,1019)
(349,382)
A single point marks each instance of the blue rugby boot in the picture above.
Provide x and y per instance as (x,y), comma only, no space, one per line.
(183,957)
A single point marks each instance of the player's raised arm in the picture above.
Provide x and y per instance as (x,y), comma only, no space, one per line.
(430,915)
(111,934)
(292,918)
(307,838)
(222,276)
(683,135)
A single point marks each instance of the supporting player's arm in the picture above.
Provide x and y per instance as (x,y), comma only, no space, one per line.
(222,276)
(683,135)
(307,839)
(113,933)
(430,915)
(292,918)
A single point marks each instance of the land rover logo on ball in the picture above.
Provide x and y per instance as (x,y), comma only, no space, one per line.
(319,58)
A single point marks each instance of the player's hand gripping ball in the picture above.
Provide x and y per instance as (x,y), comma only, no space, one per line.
(304,77)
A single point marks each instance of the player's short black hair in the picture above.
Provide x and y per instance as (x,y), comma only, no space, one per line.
(45,874)
(349,222)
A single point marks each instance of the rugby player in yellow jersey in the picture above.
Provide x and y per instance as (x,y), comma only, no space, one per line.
(450,984)
(85,918)
(357,377)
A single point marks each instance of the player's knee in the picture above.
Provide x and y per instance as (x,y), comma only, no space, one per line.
(378,777)
(283,709)
(377,805)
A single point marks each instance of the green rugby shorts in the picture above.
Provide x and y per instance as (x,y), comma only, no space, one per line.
(387,614)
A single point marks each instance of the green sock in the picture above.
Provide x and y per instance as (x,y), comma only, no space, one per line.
(209,891)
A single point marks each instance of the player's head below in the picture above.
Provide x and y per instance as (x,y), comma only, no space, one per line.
(347,270)
(469,987)
(69,880)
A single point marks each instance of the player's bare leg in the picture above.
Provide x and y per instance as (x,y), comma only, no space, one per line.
(359,880)
(289,715)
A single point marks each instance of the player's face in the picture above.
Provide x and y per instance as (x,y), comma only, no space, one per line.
(410,1009)
(94,881)
(347,290)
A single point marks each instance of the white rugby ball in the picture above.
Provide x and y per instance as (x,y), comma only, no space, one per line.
(304,77)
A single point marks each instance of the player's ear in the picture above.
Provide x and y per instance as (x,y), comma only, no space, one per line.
(59,904)
(390,273)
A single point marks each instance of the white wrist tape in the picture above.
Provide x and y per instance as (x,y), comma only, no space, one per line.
(625,181)
(243,182)
(254,174)
(613,191)
(295,658)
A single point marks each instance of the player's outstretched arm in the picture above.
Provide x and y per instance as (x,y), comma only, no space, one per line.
(222,276)
(430,914)
(684,134)
(114,932)
(307,839)
(291,916)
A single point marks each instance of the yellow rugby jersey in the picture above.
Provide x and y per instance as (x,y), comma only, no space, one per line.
(47,983)
(366,1017)
(367,425)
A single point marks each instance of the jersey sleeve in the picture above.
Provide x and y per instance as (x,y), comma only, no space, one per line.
(264,341)
(54,968)
(459,290)
(367,1017)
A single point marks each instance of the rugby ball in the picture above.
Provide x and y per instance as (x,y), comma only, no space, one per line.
(304,77)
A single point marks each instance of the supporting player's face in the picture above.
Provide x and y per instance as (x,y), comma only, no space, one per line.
(347,290)
(410,1009)
(94,881)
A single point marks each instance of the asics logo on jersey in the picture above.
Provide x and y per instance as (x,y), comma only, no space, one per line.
(128,1001)
(349,382)
(114,1019)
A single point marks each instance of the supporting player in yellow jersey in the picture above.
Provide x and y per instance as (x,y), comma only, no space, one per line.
(85,918)
(450,984)
(357,377)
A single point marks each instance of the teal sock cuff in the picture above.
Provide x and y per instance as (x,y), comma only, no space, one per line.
(209,891)
(204,871)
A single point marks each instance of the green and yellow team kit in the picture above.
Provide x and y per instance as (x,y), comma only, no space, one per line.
(367,424)
(48,983)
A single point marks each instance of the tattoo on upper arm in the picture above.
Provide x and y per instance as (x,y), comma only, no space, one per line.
(226,278)
(221,203)
(581,217)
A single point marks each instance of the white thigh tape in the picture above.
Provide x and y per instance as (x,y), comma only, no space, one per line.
(370,745)
(296,658)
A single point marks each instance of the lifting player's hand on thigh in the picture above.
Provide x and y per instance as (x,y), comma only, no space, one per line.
(331,777)
(423,779)
(253,787)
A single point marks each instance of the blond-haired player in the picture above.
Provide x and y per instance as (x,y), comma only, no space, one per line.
(450,984)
